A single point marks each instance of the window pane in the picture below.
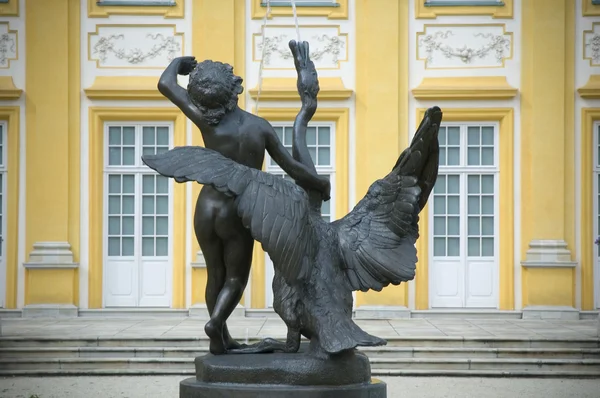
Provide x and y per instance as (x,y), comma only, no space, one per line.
(473,226)
(128,184)
(114,156)
(453,204)
(473,184)
(128,136)
(148,205)
(114,225)
(311,136)
(162,226)
(473,157)
(162,204)
(454,135)
(443,160)
(324,135)
(128,205)
(442,135)
(147,246)
(127,225)
(487,205)
(162,246)
(487,156)
(114,205)
(148,184)
(313,154)
(148,150)
(439,247)
(453,156)
(129,156)
(127,247)
(440,184)
(114,135)
(453,184)
(439,225)
(487,184)
(453,247)
(473,247)
(324,157)
(487,225)
(326,208)
(114,184)
(148,226)
(162,184)
(473,136)
(487,247)
(453,226)
(288,137)
(148,135)
(279,132)
(487,135)
(114,246)
(473,205)
(439,205)
(162,136)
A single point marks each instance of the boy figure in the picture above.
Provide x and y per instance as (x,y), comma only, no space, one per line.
(210,102)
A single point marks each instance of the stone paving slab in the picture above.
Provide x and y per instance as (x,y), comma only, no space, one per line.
(273,327)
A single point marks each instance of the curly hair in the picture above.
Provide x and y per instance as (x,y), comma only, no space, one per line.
(214,89)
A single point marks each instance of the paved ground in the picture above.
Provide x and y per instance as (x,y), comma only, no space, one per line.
(273,327)
(405,387)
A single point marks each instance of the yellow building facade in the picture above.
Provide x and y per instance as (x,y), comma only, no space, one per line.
(509,229)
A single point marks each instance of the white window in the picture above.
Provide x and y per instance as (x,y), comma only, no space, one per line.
(137,217)
(3,200)
(464,2)
(320,140)
(596,183)
(300,3)
(464,218)
(135,2)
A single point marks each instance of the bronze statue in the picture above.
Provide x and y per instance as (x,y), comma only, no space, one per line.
(317,264)
(210,102)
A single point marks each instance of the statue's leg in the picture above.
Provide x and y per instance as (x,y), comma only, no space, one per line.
(238,260)
(213,251)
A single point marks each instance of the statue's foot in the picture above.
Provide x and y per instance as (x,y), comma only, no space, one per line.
(231,344)
(265,346)
(214,331)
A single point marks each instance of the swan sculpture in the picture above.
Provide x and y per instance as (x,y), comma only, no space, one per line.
(318,264)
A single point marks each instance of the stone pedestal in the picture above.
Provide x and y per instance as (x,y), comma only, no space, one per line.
(282,375)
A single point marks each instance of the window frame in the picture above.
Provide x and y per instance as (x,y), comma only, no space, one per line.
(463,171)
(337,9)
(425,10)
(506,289)
(98,116)
(138,171)
(96,9)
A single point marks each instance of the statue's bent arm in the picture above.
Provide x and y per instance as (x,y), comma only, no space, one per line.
(306,177)
(168,86)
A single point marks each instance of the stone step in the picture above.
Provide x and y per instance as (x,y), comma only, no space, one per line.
(375,372)
(389,364)
(200,342)
(372,352)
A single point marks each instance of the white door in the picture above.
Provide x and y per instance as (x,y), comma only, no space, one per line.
(320,142)
(137,222)
(463,214)
(3,221)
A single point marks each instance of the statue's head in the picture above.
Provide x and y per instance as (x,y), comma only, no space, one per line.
(214,89)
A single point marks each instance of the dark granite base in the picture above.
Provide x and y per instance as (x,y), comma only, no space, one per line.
(192,388)
(282,375)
